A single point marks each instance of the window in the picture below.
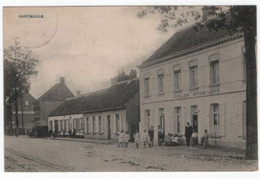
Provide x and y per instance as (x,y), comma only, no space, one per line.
(177,80)
(162,120)
(193,77)
(146,87)
(160,83)
(244,63)
(178,118)
(100,124)
(117,123)
(94,124)
(26,102)
(88,125)
(147,119)
(215,120)
(214,72)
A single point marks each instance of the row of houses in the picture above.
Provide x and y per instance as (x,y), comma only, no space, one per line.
(196,77)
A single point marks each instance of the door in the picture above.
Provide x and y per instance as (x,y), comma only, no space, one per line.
(108,128)
(162,124)
(56,127)
(195,122)
(194,117)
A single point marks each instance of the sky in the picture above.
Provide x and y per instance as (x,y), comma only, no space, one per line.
(86,45)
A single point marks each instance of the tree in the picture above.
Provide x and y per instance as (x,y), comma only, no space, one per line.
(238,18)
(19,66)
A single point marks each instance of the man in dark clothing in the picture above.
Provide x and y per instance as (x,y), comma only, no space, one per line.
(188,133)
(151,135)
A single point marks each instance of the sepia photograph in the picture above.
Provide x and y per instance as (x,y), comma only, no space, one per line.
(130,88)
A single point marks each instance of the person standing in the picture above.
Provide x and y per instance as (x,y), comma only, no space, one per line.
(121,139)
(145,138)
(151,135)
(188,133)
(126,139)
(137,139)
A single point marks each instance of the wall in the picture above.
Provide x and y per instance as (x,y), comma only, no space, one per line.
(133,115)
(103,134)
(230,93)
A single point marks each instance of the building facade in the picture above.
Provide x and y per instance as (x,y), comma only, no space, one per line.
(100,115)
(197,77)
(25,112)
(49,101)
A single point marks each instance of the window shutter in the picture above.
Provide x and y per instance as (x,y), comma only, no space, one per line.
(83,124)
(240,119)
(175,120)
(114,124)
(97,124)
(183,120)
(120,122)
(102,124)
(91,124)
(208,119)
(222,118)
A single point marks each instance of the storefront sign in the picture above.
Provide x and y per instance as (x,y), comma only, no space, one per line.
(198,93)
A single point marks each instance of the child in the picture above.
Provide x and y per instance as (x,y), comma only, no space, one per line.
(126,139)
(194,138)
(121,138)
(204,139)
(145,138)
(137,139)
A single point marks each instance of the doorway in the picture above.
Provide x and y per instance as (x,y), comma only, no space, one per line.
(194,117)
(108,128)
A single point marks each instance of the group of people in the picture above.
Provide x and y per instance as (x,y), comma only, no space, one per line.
(123,139)
(192,136)
(147,138)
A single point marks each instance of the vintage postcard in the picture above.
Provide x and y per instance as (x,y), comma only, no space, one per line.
(130,88)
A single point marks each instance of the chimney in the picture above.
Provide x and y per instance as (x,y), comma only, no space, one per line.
(78,93)
(207,12)
(62,80)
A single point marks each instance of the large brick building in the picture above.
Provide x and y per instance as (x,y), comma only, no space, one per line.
(197,77)
(49,101)
(25,112)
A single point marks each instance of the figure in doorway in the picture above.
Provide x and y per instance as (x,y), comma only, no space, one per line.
(188,133)
(151,135)
(160,136)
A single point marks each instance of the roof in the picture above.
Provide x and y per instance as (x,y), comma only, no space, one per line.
(58,92)
(186,39)
(115,97)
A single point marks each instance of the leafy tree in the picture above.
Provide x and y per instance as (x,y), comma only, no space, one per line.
(237,19)
(19,66)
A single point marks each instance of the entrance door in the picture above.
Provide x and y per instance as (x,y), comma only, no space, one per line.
(194,117)
(162,124)
(108,128)
(56,127)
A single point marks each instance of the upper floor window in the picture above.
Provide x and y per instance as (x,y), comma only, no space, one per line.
(160,83)
(177,80)
(146,86)
(26,102)
(214,69)
(194,77)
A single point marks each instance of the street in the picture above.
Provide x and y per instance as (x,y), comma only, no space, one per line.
(23,154)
